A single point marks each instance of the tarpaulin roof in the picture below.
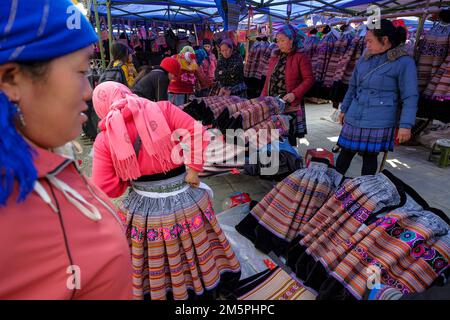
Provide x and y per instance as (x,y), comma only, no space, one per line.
(190,11)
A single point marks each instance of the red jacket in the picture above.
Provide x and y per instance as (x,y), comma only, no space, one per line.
(34,258)
(299,76)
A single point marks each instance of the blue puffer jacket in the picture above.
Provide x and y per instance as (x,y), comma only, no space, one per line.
(373,100)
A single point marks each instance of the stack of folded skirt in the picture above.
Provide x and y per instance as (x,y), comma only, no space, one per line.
(343,236)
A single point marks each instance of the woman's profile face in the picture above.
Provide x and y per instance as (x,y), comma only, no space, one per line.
(374,45)
(53,105)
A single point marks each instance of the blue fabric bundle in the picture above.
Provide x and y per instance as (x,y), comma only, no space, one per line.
(37,30)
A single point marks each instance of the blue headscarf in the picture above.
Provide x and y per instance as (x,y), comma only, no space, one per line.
(293,34)
(201,55)
(37,30)
(41,30)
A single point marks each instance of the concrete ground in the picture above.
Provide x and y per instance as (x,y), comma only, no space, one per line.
(407,163)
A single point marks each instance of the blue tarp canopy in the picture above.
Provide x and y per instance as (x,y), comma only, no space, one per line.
(214,11)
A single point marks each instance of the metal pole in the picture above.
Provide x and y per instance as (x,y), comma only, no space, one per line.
(247,45)
(99,33)
(270,28)
(421,26)
(110,31)
(196,35)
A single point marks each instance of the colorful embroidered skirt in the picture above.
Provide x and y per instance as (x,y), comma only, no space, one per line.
(363,140)
(290,205)
(370,228)
(176,242)
(274,284)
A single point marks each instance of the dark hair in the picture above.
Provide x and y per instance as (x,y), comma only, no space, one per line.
(444,15)
(119,52)
(36,69)
(396,35)
(313,31)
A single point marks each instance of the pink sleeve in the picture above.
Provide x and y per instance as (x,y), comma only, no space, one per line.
(103,173)
(193,130)
(212,68)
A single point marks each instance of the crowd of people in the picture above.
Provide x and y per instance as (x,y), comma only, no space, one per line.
(165,241)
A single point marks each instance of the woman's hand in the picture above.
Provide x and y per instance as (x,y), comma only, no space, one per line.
(341,118)
(403,135)
(289,97)
(192,178)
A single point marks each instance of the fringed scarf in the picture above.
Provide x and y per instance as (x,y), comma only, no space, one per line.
(150,122)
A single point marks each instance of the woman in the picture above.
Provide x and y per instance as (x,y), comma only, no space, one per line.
(184,84)
(60,237)
(153,83)
(178,247)
(121,58)
(290,76)
(230,71)
(384,79)
(210,63)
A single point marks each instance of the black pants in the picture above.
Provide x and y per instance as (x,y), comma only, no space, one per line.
(369,167)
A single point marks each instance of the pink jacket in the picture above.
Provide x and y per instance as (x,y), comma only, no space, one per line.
(209,66)
(103,173)
(299,76)
(34,259)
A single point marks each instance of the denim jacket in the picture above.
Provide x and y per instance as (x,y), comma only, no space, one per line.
(386,97)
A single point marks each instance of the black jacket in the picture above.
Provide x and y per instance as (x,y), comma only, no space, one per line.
(154,85)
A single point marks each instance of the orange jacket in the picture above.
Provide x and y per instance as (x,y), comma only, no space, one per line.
(35,261)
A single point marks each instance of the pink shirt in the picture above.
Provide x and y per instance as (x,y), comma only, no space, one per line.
(103,172)
(33,255)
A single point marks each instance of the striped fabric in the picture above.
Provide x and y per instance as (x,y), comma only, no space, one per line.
(439,86)
(279,286)
(346,59)
(258,60)
(409,249)
(346,211)
(176,242)
(360,46)
(341,46)
(257,110)
(295,200)
(432,52)
(322,56)
(365,140)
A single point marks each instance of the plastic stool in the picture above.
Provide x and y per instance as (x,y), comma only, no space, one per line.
(444,151)
(319,153)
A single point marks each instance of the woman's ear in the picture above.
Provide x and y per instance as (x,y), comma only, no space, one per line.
(10,74)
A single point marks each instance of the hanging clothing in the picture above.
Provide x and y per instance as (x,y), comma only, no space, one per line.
(432,51)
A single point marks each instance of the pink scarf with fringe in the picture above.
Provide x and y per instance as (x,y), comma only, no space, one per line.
(150,123)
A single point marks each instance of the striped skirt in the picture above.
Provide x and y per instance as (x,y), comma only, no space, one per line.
(274,284)
(365,140)
(351,206)
(176,242)
(278,217)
